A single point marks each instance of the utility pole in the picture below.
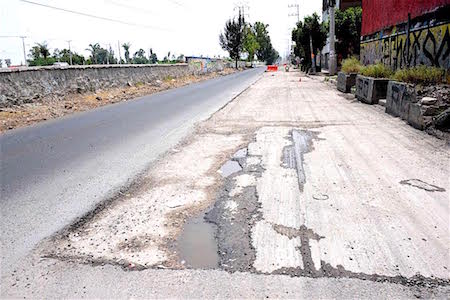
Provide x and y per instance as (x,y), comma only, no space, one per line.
(313,57)
(24,51)
(241,7)
(107,55)
(333,61)
(294,14)
(120,55)
(110,52)
(70,52)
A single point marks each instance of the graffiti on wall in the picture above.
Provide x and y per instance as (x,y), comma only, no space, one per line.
(426,46)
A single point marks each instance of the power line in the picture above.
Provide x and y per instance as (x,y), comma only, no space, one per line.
(11,36)
(139,9)
(93,16)
(176,3)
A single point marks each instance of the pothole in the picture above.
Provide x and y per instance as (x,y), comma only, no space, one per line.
(197,245)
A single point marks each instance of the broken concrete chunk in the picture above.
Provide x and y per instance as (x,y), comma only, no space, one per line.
(428,101)
(229,168)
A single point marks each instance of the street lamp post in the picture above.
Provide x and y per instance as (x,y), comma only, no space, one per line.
(333,62)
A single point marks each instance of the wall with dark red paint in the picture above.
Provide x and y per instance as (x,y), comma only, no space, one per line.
(378,14)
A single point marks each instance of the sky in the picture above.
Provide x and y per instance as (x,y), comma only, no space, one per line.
(184,27)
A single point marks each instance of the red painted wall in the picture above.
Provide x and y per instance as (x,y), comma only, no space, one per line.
(378,14)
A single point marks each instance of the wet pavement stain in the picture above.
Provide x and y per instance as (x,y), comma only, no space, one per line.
(230,167)
(417,183)
(197,245)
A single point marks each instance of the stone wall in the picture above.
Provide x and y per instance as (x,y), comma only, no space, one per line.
(27,85)
(206,65)
(414,104)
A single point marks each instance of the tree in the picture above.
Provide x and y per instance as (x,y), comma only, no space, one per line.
(40,55)
(272,56)
(181,58)
(231,40)
(43,49)
(1,63)
(139,57)
(348,31)
(309,29)
(126,47)
(152,57)
(250,43)
(95,50)
(265,51)
(100,55)
(64,56)
(111,58)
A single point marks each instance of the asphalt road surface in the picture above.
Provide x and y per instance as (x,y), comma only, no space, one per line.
(56,171)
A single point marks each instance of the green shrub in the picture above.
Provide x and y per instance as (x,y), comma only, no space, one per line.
(377,71)
(351,65)
(168,78)
(420,75)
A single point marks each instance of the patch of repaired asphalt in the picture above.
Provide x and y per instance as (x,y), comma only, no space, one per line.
(234,213)
(136,229)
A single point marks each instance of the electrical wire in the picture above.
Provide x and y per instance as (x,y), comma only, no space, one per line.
(94,16)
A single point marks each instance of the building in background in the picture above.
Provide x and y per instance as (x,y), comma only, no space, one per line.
(401,33)
(342,5)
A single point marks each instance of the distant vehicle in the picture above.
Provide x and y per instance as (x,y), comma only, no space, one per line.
(61,64)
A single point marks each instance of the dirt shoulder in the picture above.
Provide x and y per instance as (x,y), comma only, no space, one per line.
(52,108)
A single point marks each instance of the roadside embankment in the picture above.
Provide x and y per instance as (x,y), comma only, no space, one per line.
(32,95)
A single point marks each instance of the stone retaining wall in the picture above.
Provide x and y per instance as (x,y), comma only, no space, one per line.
(27,85)
(370,90)
(420,112)
(345,82)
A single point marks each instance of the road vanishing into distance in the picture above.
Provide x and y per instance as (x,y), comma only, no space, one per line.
(58,170)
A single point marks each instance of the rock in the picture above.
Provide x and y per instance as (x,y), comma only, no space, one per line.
(428,101)
(431,110)
(129,83)
(442,121)
(98,98)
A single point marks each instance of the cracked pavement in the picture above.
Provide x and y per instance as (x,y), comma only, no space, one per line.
(333,199)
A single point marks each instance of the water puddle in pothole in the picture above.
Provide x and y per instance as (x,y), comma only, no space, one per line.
(229,168)
(197,244)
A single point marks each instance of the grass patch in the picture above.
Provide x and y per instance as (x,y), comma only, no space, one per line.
(376,71)
(168,78)
(420,75)
(351,65)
